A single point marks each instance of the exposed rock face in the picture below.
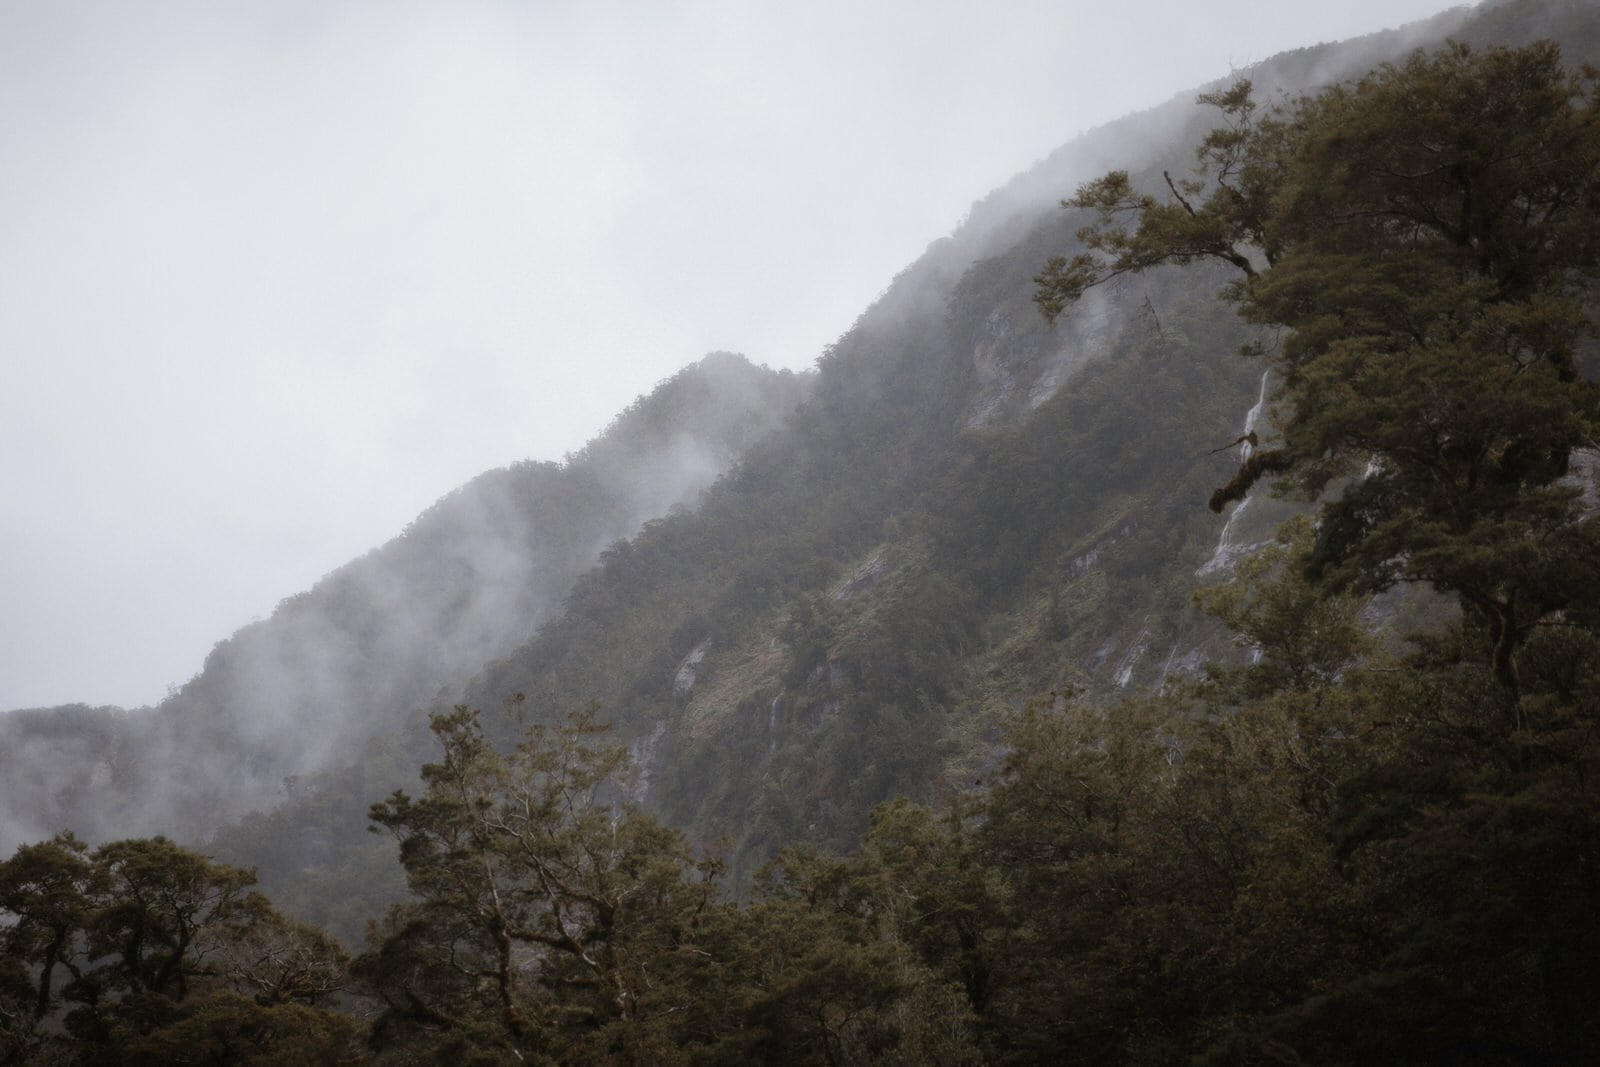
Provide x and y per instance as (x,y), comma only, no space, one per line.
(1584,475)
(874,569)
(1019,365)
(683,681)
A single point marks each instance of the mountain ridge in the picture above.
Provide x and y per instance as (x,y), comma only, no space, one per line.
(968,509)
(336,664)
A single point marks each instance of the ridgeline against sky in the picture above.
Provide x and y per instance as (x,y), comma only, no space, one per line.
(278,276)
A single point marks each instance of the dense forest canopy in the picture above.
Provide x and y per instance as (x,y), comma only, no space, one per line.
(1340,847)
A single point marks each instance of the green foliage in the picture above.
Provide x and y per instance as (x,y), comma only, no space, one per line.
(1334,854)
(550,912)
(1373,870)
(556,921)
(840,980)
(230,1031)
(1428,235)
(1304,636)
(143,952)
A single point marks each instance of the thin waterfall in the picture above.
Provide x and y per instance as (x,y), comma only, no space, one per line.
(1227,551)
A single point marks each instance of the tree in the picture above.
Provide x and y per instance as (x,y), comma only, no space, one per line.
(831,972)
(1304,641)
(551,914)
(46,889)
(163,911)
(1430,238)
(231,1031)
(165,952)
(45,894)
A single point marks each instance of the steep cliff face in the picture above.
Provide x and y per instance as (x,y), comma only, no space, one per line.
(854,610)
(468,581)
(969,510)
(973,509)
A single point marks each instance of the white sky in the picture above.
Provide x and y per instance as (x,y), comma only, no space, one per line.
(274,276)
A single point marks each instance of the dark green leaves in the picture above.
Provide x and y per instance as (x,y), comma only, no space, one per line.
(1427,238)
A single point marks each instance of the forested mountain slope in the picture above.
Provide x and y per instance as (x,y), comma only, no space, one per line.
(349,659)
(952,726)
(972,508)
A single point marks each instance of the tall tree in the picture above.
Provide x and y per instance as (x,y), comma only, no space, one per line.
(47,891)
(551,913)
(1430,237)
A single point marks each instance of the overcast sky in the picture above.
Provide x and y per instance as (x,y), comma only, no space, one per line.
(274,276)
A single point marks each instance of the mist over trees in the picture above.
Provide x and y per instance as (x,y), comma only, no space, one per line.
(935,734)
(352,658)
